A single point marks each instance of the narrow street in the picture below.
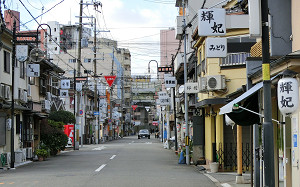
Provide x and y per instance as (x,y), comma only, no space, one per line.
(125,162)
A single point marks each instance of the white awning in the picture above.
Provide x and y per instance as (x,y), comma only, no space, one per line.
(228,107)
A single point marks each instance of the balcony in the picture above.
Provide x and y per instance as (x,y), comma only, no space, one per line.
(234,59)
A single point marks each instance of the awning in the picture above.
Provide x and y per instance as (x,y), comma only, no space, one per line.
(228,108)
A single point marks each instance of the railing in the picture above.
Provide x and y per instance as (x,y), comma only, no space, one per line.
(234,59)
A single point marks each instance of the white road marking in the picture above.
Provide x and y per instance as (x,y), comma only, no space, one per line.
(148,142)
(131,142)
(226,185)
(113,157)
(99,148)
(211,178)
(101,167)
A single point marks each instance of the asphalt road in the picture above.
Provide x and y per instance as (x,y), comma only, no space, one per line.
(127,162)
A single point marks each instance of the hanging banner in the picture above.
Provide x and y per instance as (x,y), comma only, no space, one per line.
(288,94)
(110,79)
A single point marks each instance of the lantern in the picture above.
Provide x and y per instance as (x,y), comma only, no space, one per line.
(288,93)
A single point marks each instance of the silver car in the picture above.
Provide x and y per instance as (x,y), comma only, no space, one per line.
(144,133)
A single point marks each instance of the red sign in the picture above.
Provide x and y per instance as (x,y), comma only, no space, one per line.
(134,107)
(110,79)
(69,131)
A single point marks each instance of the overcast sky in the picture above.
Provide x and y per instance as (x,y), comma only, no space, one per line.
(135,24)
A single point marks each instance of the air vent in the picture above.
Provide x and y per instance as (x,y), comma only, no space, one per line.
(212,83)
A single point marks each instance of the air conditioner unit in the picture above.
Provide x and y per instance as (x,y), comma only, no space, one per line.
(21,94)
(48,96)
(202,84)
(45,105)
(28,90)
(25,96)
(2,89)
(216,82)
(7,92)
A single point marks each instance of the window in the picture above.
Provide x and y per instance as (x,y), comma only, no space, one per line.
(87,60)
(32,80)
(18,124)
(6,61)
(72,60)
(22,70)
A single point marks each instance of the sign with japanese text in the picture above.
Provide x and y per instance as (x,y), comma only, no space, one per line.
(64,93)
(211,22)
(65,84)
(170,82)
(163,95)
(163,101)
(287,92)
(21,52)
(110,79)
(191,87)
(216,47)
(78,87)
(33,70)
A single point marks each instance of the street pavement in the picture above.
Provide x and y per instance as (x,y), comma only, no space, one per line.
(124,162)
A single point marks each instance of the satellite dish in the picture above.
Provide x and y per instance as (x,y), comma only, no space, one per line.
(36,55)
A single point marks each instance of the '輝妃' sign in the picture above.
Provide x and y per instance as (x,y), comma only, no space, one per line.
(288,94)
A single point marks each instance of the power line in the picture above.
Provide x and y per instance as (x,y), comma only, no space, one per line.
(47,32)
(34,18)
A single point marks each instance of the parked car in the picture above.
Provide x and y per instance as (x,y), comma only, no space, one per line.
(144,133)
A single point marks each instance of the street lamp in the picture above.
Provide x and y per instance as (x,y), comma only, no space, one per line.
(156,68)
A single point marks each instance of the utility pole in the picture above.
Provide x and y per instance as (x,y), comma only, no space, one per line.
(268,142)
(76,134)
(12,130)
(122,98)
(111,92)
(174,107)
(185,94)
(95,86)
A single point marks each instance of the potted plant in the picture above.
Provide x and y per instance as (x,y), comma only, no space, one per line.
(41,154)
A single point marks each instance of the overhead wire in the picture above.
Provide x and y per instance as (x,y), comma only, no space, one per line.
(47,32)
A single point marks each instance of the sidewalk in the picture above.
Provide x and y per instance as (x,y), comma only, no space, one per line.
(226,179)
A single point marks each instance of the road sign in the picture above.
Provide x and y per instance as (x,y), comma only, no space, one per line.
(80,112)
(110,79)
(96,113)
(134,107)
